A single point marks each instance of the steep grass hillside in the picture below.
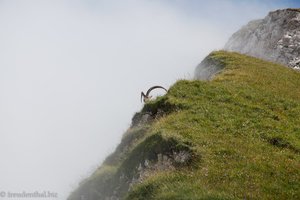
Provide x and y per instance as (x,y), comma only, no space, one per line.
(234,137)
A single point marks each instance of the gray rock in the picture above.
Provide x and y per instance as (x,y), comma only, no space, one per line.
(275,38)
(207,69)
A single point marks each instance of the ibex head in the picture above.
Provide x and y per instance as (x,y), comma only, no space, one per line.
(146,97)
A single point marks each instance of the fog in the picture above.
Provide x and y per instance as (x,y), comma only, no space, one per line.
(71,73)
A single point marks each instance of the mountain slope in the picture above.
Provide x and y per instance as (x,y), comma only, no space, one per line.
(234,137)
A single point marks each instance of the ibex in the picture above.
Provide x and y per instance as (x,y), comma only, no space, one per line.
(146,97)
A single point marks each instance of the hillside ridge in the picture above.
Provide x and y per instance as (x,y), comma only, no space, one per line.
(234,136)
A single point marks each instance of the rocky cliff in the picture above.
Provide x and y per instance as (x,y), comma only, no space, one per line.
(233,137)
(275,38)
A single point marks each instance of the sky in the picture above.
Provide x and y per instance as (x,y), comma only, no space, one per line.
(71,73)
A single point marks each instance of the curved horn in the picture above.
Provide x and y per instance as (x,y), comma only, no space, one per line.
(143,96)
(155,87)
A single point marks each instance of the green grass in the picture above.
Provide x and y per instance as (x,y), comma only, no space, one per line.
(243,128)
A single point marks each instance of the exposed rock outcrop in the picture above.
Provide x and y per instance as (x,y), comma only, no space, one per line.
(207,69)
(275,38)
(140,154)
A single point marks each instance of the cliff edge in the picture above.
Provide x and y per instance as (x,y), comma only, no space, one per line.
(236,136)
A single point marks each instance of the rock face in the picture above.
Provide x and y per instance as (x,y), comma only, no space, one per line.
(207,69)
(140,155)
(275,38)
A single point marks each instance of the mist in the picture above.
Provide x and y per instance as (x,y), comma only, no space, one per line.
(71,73)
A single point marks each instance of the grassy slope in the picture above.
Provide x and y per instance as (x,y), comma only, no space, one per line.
(244,127)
